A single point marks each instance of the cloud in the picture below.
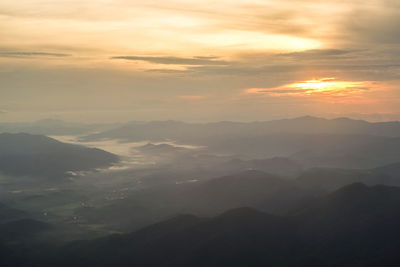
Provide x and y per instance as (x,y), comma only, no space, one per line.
(175,60)
(373,25)
(168,71)
(237,69)
(25,54)
(244,69)
(342,63)
(318,54)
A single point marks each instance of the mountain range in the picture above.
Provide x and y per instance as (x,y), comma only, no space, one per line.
(176,130)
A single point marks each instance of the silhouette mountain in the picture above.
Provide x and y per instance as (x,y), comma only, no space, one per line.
(38,155)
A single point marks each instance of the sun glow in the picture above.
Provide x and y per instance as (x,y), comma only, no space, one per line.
(314,84)
(325,87)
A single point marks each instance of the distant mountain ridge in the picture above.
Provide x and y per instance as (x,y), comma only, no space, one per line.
(176,130)
(329,179)
(312,142)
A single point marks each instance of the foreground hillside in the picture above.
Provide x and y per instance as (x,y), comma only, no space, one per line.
(354,226)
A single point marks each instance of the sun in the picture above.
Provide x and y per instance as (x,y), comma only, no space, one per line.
(325,85)
(315,87)
(314,84)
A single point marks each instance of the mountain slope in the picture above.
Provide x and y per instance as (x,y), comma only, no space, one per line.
(38,155)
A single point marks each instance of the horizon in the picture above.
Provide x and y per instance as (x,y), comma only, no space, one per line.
(369,118)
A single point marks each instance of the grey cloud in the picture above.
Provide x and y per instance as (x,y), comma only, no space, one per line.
(229,70)
(318,53)
(31,54)
(243,69)
(176,60)
(346,69)
(206,57)
(371,25)
(168,71)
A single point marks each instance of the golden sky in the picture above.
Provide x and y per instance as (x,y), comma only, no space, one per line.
(198,60)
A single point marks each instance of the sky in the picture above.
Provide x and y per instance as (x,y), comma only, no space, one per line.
(241,60)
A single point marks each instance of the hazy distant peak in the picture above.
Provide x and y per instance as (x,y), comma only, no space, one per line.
(242,212)
(308,118)
(159,148)
(346,119)
(252,174)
